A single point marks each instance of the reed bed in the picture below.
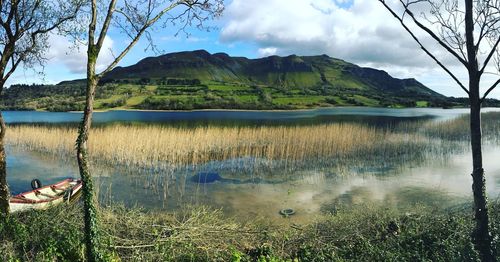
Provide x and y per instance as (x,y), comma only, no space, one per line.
(160,147)
(457,129)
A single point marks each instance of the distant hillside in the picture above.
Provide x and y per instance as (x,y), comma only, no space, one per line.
(285,72)
(200,80)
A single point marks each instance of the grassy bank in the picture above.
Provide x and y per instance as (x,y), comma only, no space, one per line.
(362,233)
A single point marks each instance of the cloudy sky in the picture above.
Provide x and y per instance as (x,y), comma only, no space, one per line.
(358,31)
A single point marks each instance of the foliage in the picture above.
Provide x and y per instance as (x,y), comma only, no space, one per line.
(24,33)
(133,95)
(43,236)
(359,233)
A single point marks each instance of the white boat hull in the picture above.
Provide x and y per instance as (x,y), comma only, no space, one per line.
(47,196)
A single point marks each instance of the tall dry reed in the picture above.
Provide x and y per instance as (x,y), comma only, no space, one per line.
(159,146)
(457,128)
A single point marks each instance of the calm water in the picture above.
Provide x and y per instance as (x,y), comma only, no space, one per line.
(323,115)
(435,181)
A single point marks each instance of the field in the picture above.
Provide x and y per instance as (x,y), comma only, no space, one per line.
(239,96)
(215,95)
(156,94)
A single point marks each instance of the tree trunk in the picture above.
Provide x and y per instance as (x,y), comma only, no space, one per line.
(481,235)
(92,242)
(4,189)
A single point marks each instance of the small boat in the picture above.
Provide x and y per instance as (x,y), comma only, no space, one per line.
(46,196)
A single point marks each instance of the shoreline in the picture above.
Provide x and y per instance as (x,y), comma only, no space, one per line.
(255,110)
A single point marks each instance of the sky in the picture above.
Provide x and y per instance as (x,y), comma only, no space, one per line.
(357,31)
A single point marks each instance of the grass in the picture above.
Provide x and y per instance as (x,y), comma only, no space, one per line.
(244,98)
(258,151)
(104,103)
(136,100)
(227,88)
(457,129)
(422,103)
(301,100)
(366,101)
(361,233)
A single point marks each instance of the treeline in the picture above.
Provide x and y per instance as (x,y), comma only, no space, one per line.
(155,103)
(50,97)
(149,81)
(489,102)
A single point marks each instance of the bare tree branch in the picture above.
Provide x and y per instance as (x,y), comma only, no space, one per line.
(136,38)
(484,16)
(24,25)
(423,47)
(428,31)
(490,89)
(92,26)
(490,55)
(12,69)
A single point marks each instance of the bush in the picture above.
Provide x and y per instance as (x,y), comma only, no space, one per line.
(186,82)
(113,104)
(359,233)
(43,236)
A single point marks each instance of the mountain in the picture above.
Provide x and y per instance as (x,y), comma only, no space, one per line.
(198,80)
(286,72)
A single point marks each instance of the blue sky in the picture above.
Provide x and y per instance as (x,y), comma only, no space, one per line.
(358,31)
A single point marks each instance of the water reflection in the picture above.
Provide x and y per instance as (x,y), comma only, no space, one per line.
(435,176)
(374,116)
(435,181)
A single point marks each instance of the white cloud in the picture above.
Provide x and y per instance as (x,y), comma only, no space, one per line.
(358,31)
(268,51)
(74,56)
(194,39)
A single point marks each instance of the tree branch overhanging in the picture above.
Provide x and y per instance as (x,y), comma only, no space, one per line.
(490,55)
(423,47)
(489,90)
(136,39)
(427,30)
(24,28)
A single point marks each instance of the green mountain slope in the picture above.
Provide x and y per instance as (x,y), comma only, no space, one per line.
(200,80)
(286,72)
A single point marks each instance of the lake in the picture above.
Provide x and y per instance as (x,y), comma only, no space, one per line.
(435,181)
(227,117)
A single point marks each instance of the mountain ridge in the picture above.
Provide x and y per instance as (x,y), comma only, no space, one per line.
(200,80)
(270,64)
